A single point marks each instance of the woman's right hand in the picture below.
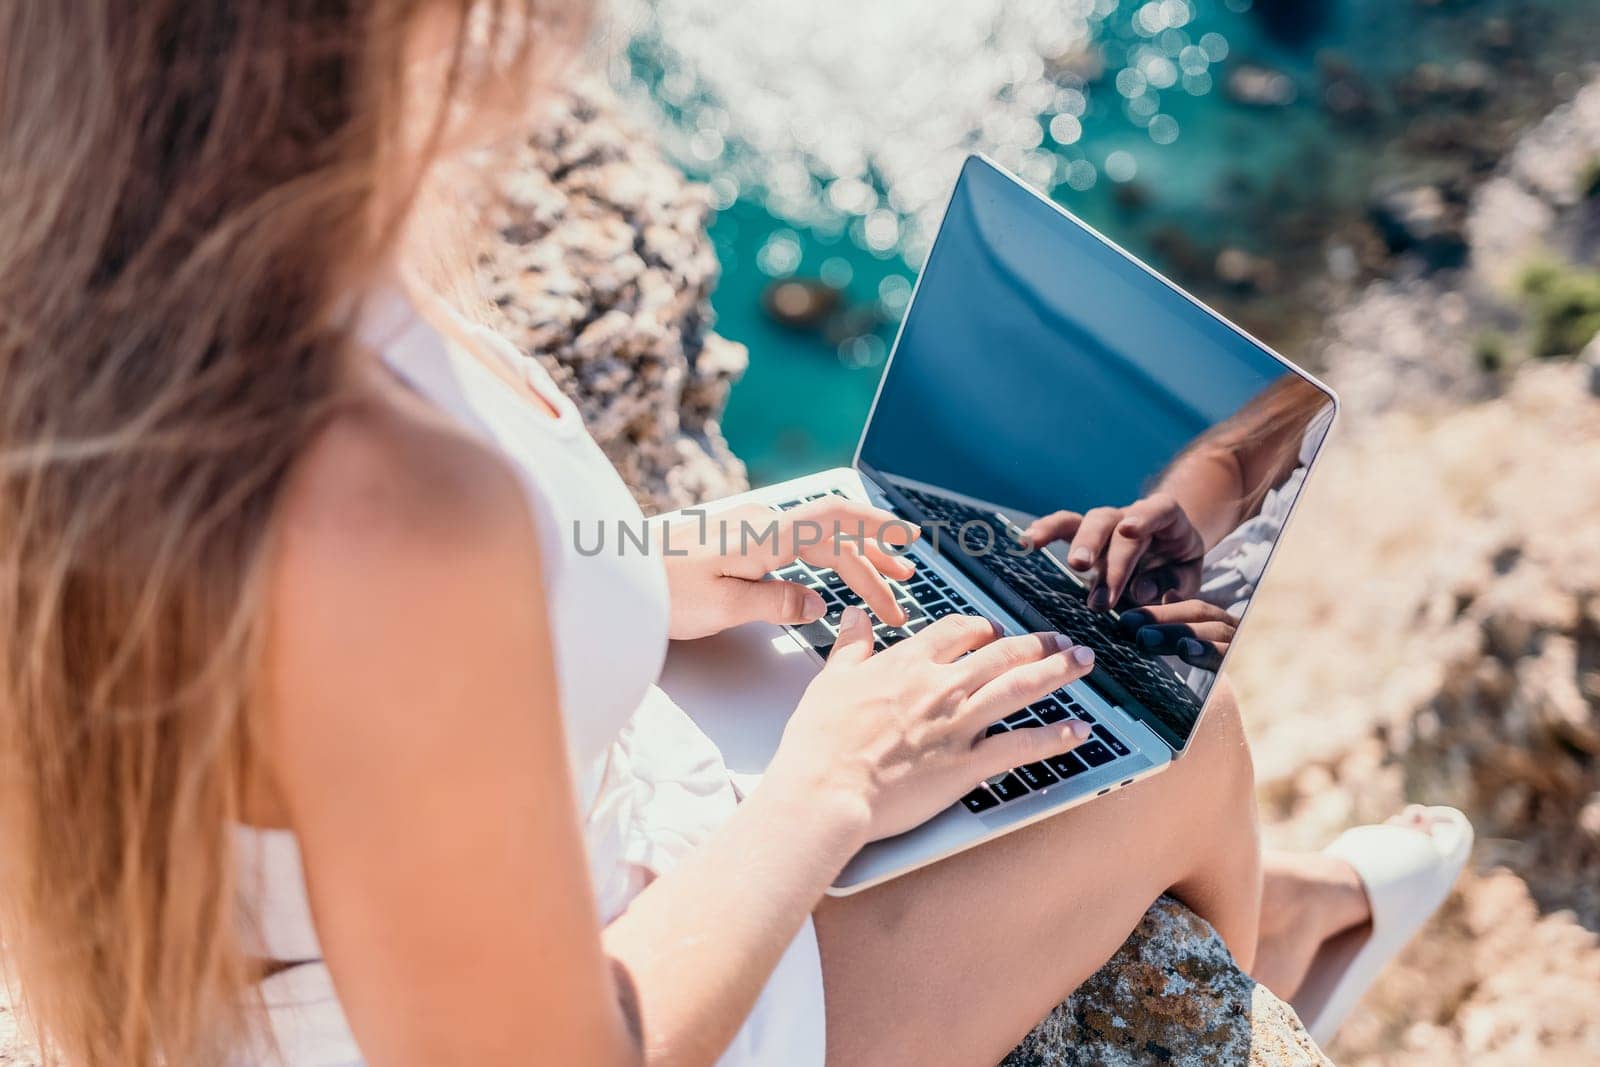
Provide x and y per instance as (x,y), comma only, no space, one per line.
(1150,550)
(902,732)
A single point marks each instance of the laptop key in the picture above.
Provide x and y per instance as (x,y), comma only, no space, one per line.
(1049,710)
(1019,719)
(995,728)
(1113,742)
(1094,753)
(817,634)
(1066,765)
(1007,786)
(1037,775)
(980,799)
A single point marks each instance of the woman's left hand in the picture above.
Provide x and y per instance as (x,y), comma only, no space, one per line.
(716,563)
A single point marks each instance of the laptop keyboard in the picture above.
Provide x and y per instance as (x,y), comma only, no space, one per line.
(1038,579)
(926,597)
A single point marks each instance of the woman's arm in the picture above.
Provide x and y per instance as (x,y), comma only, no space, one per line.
(1208,484)
(416,742)
(879,744)
(698,945)
(416,745)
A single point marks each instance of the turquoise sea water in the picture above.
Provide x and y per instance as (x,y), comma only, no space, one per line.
(1156,151)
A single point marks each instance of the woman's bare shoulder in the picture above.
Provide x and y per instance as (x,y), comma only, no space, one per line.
(405,556)
(378,481)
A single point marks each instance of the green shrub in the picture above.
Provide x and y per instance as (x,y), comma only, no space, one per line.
(1564,304)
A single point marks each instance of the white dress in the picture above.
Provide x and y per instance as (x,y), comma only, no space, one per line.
(650,784)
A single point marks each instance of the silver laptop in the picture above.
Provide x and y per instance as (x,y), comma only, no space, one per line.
(1040,368)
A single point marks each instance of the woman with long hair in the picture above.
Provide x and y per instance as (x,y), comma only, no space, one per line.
(323,744)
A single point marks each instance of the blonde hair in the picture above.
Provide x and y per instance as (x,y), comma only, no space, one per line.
(189,192)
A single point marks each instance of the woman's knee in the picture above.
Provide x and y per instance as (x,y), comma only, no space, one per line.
(1217,778)
(1220,745)
(1223,883)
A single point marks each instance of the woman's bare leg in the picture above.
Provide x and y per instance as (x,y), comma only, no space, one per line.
(955,963)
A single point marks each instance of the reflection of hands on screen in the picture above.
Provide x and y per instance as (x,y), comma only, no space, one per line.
(1149,550)
(1196,631)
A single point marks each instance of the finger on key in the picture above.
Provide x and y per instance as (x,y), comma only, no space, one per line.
(1008,653)
(859,574)
(951,637)
(1022,685)
(1001,752)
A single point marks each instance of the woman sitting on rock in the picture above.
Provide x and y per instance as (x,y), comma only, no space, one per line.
(322,741)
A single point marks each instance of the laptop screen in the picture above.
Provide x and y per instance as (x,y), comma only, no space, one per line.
(1043,376)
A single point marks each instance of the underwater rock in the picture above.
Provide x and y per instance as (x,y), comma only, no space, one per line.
(799,303)
(1423,219)
(1292,22)
(1259,86)
(1345,93)
(1246,272)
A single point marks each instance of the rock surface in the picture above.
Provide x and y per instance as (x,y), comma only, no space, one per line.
(1171,994)
(597,263)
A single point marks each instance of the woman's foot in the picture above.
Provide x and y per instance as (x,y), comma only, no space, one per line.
(1307,898)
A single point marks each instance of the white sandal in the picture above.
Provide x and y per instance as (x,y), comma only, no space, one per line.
(1407,871)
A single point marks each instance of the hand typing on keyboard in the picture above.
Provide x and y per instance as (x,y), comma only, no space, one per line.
(718,561)
(1149,550)
(902,734)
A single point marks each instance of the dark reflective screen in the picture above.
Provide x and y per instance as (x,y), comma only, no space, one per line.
(1045,384)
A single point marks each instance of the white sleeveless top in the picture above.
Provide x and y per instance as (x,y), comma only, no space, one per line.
(650,784)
